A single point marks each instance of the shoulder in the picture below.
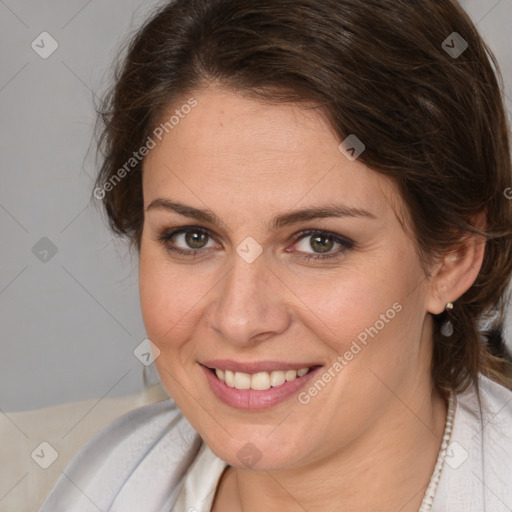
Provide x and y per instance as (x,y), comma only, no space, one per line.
(145,452)
(477,469)
(496,401)
(490,408)
(488,415)
(496,427)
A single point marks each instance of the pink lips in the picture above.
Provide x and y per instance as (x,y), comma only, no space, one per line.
(249,399)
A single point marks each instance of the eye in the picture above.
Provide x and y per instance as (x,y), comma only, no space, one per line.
(322,242)
(192,239)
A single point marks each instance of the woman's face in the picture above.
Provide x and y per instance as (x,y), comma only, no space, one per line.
(263,289)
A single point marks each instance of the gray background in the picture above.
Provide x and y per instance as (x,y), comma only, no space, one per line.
(70,323)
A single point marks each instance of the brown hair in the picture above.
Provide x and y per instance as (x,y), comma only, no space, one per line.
(432,121)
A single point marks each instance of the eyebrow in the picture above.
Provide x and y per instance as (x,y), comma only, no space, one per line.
(281,220)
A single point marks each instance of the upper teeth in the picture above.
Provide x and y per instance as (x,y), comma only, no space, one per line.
(258,381)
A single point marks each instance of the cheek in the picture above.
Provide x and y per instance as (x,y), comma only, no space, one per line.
(342,304)
(368,314)
(170,298)
(160,296)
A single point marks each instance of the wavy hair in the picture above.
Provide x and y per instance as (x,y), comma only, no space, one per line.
(429,110)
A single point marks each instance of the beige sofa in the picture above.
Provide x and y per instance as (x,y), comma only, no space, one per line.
(36,445)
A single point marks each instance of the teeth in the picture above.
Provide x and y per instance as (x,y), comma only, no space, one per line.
(258,381)
(277,378)
(290,375)
(242,380)
(229,377)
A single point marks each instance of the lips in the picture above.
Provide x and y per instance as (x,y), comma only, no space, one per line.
(261,384)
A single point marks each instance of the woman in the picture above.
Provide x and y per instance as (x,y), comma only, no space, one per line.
(317,194)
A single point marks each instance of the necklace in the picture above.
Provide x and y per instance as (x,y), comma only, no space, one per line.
(428,499)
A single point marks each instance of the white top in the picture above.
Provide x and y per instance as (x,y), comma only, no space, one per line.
(152,460)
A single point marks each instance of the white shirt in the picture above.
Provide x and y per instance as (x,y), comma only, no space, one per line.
(152,460)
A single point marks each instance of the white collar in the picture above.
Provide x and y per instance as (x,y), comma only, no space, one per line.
(200,483)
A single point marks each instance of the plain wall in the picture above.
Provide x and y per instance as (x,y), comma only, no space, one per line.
(71,320)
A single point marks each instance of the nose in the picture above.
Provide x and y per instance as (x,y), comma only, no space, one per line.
(250,304)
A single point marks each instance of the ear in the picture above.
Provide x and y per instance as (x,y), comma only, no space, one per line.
(458,270)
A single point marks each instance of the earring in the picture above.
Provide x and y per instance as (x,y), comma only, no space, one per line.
(449,305)
(447,329)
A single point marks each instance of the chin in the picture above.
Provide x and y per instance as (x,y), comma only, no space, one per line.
(258,453)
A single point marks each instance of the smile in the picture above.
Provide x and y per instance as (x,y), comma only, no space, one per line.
(249,386)
(259,381)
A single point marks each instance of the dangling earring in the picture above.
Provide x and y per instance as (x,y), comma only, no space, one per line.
(447,329)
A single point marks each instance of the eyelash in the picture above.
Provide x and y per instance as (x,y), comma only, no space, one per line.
(345,243)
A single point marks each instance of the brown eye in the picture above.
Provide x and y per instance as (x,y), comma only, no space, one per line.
(195,239)
(189,241)
(322,243)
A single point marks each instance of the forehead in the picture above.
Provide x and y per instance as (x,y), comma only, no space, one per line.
(232,148)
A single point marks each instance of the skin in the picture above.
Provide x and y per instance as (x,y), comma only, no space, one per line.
(370,439)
